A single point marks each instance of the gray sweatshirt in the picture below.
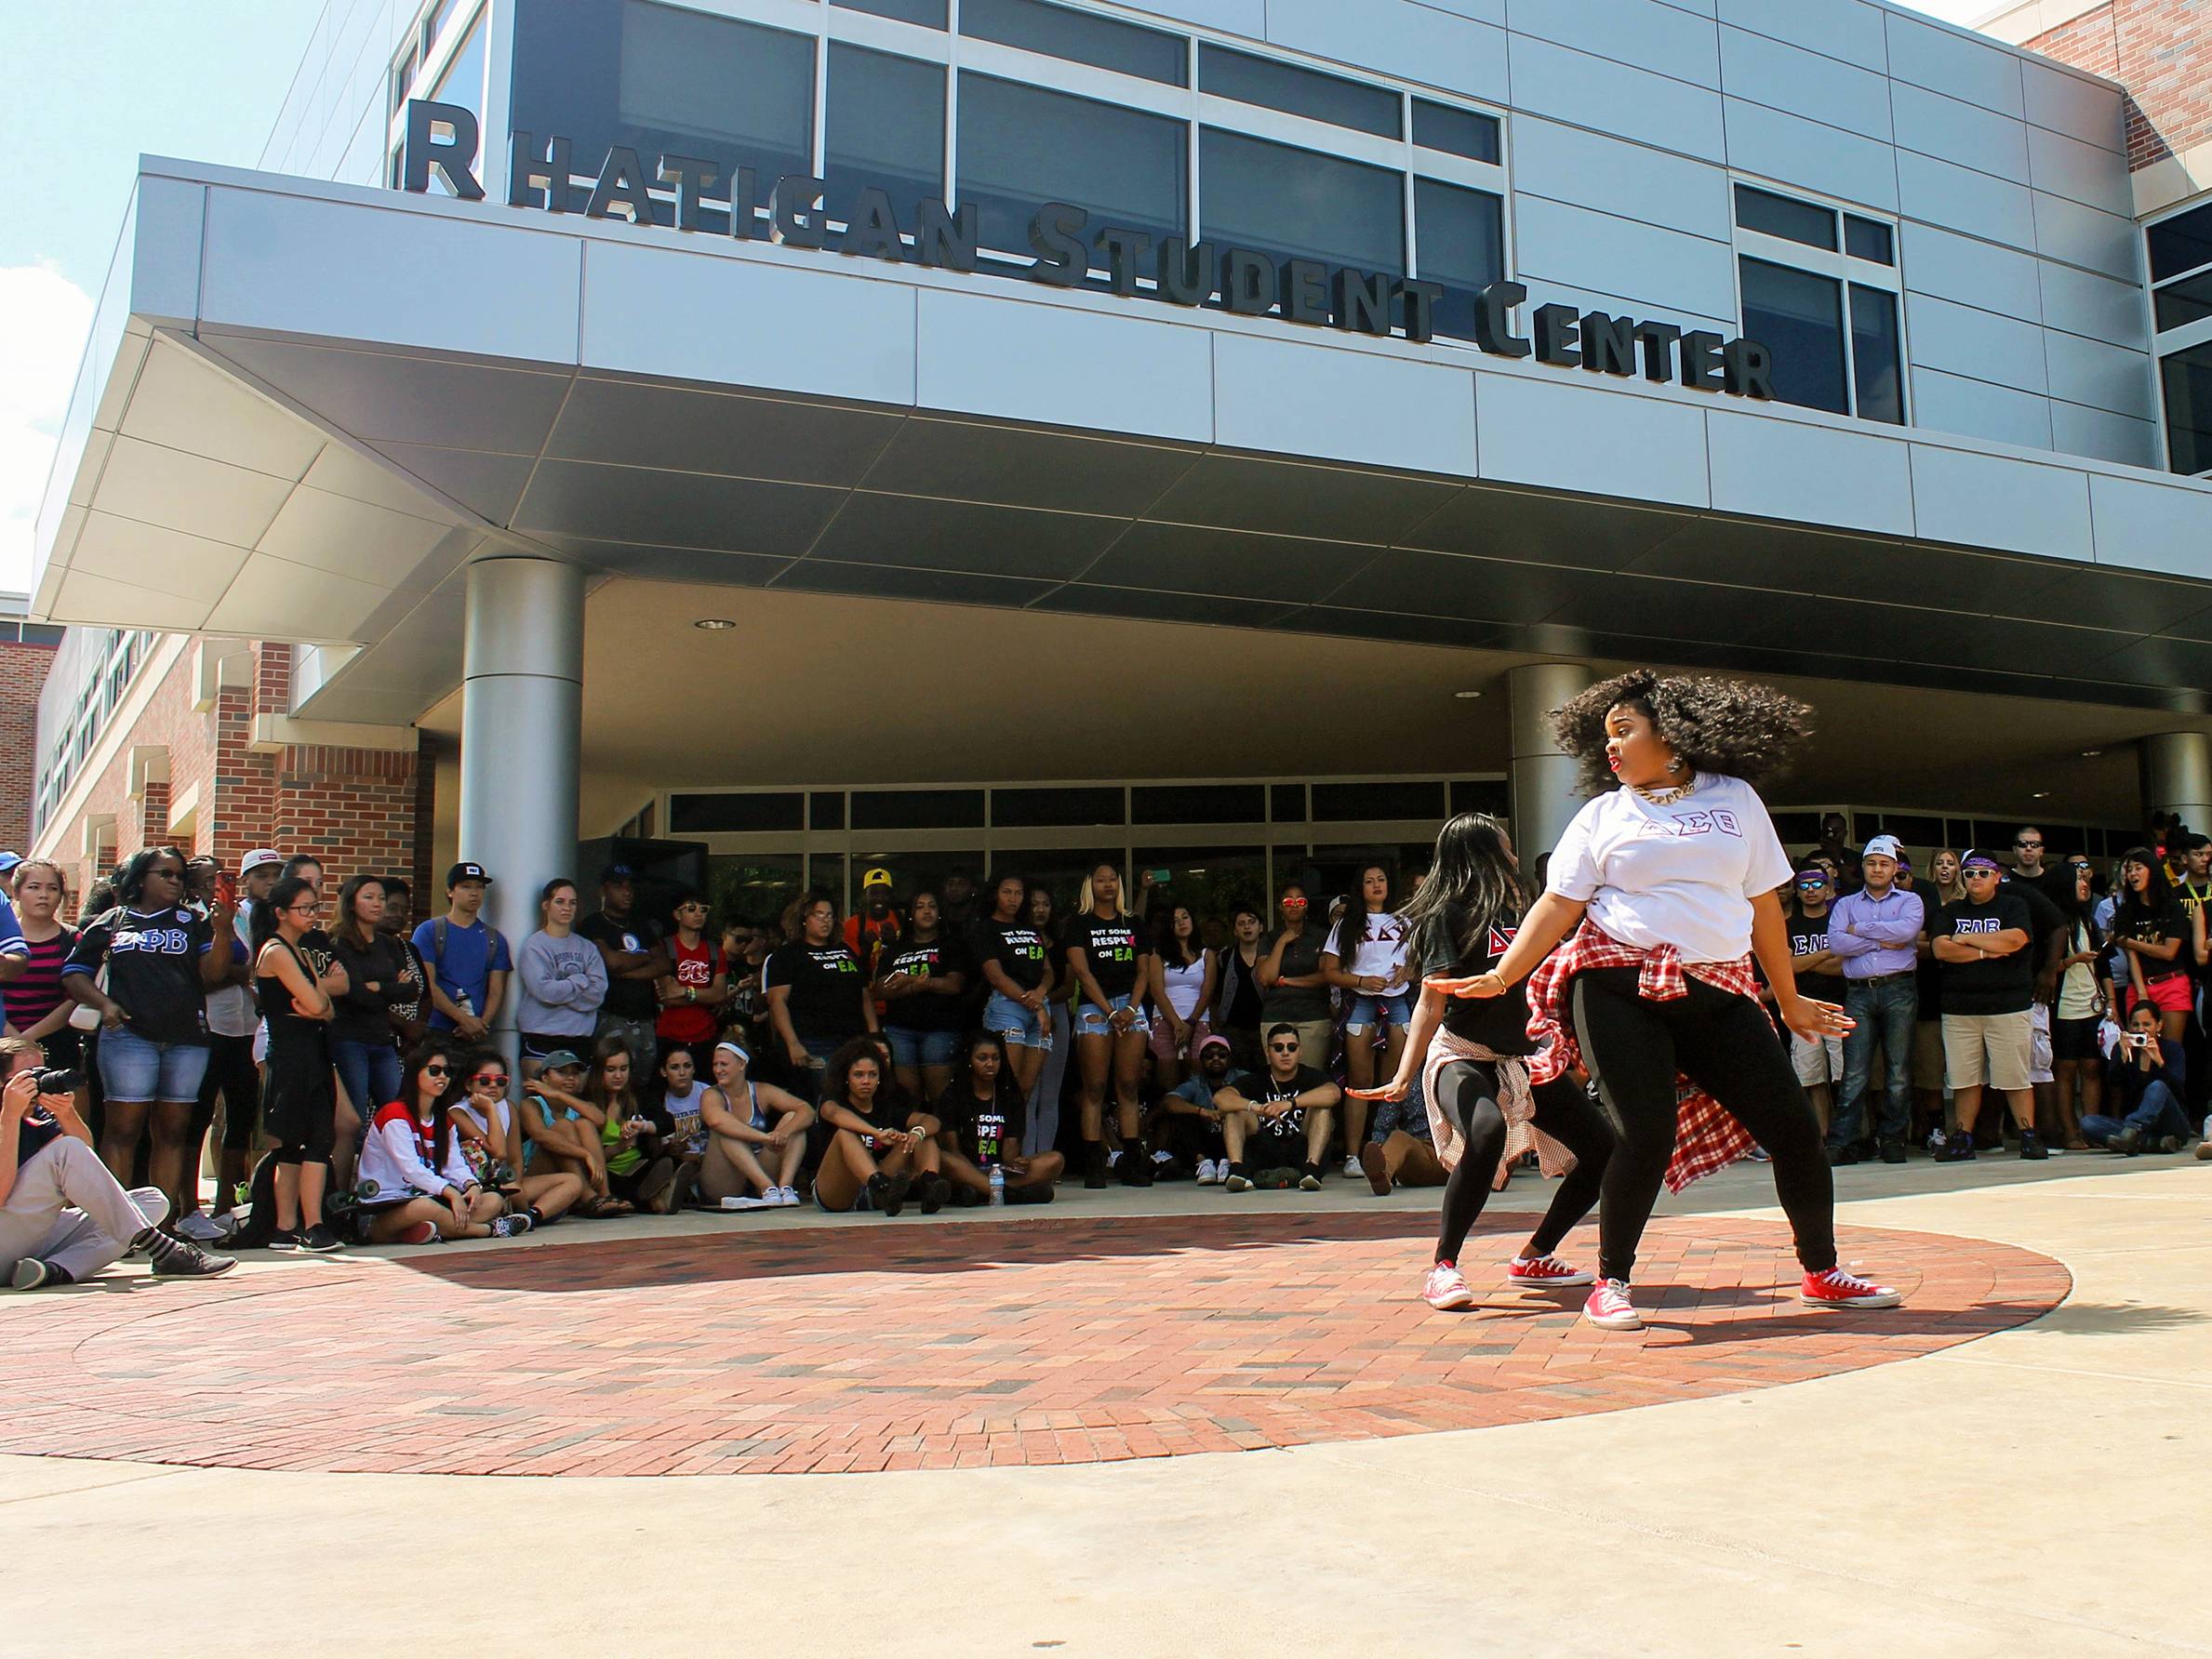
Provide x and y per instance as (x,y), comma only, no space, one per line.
(563,983)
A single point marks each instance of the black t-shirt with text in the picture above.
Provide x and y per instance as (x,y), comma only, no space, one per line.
(1808,934)
(2153,928)
(1994,985)
(1114,949)
(626,999)
(153,969)
(825,989)
(1500,1024)
(1019,949)
(2192,896)
(1261,1088)
(925,1010)
(981,1126)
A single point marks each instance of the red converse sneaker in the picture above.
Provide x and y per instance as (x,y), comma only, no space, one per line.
(1548,1271)
(1610,1308)
(1446,1289)
(1836,1288)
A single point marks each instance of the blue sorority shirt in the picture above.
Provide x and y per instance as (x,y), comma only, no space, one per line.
(465,968)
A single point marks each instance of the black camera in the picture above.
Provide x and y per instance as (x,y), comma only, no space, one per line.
(58,1079)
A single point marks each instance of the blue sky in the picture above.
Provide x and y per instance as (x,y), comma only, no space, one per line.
(92,85)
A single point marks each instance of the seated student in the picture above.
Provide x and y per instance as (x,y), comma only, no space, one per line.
(638,1169)
(1404,1151)
(756,1137)
(1190,1122)
(62,1216)
(421,1187)
(1277,1119)
(681,1120)
(870,1163)
(2144,1088)
(561,1135)
(979,1117)
(493,1142)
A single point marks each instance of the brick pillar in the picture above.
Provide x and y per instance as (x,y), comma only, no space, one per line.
(352,808)
(153,815)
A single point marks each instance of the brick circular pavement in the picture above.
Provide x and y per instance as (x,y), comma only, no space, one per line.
(885,1347)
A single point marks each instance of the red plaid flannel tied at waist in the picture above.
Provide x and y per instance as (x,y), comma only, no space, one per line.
(1514,1103)
(1706,1136)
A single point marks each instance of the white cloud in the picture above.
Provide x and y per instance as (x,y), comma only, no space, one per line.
(44,320)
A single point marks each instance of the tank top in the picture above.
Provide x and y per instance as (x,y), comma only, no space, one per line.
(293,1037)
(1241,990)
(38,991)
(1184,984)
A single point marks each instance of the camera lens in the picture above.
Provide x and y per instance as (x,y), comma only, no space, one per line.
(58,1079)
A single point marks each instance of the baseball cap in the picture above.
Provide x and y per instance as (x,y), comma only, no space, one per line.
(1212,1040)
(8,861)
(259,856)
(1884,846)
(616,872)
(560,1059)
(468,869)
(878,877)
(1978,860)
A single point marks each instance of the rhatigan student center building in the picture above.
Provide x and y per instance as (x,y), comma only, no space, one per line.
(1209,433)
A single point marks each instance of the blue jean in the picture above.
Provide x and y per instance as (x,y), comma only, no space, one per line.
(1885,1010)
(369,1073)
(2159,1115)
(136,1070)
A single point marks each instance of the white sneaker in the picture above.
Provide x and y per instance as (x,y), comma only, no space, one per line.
(1353,1167)
(786,1196)
(744,1203)
(1209,1173)
(1610,1308)
(201,1228)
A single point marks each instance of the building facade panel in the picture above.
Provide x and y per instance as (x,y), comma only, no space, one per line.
(1280,397)
(1650,34)
(1820,88)
(1959,131)
(1658,267)
(1589,169)
(1397,37)
(1849,31)
(2098,432)
(1961,199)
(1971,408)
(1954,63)
(1766,143)
(1986,500)
(1614,98)
(1970,272)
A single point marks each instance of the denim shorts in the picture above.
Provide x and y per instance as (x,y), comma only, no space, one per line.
(1091,1022)
(1022,1027)
(922,1048)
(1374,1009)
(134,1070)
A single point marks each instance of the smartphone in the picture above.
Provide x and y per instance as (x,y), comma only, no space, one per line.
(226,887)
(1162,876)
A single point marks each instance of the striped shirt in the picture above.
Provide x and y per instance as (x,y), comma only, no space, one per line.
(38,992)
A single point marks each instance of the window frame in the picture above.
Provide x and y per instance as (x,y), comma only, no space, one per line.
(421,62)
(2170,342)
(1846,269)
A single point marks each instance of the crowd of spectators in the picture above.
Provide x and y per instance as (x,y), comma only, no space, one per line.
(963,1046)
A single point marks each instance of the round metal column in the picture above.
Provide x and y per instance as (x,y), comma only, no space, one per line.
(2177,768)
(521,730)
(1545,795)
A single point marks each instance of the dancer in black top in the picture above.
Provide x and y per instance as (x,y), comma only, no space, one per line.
(1106,951)
(1473,1055)
(298,1105)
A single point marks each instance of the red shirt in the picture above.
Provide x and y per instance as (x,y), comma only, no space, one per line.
(695,965)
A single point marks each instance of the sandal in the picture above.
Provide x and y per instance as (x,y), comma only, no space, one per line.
(605,1208)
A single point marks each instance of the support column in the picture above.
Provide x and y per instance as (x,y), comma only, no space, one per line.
(521,730)
(2177,772)
(1544,792)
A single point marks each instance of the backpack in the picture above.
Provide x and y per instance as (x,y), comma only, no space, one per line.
(441,928)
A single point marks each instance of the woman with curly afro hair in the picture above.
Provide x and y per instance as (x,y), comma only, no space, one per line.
(1667,883)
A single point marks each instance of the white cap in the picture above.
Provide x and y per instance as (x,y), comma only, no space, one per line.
(1882,846)
(259,856)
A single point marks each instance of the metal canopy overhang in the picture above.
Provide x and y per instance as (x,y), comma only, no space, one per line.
(228,469)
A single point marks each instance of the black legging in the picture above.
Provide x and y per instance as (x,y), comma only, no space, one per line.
(1725,1043)
(1467,1094)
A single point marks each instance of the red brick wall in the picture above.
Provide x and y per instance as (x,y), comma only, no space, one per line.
(23,672)
(2161,50)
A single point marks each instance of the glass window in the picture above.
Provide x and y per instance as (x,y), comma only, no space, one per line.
(827,871)
(1780,216)
(658,78)
(1460,132)
(2181,243)
(462,81)
(1301,204)
(756,886)
(1868,239)
(2188,409)
(1197,803)
(1338,802)
(1210,881)
(1493,795)
(1287,802)
(1297,91)
(931,14)
(1022,147)
(911,871)
(825,809)
(1051,809)
(1798,318)
(705,814)
(440,15)
(2186,301)
(918,809)
(1460,236)
(1080,37)
(1877,369)
(886,128)
(403,80)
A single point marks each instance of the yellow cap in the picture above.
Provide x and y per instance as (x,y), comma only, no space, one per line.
(878,877)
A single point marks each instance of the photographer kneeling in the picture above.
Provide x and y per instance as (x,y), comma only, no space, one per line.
(62,1216)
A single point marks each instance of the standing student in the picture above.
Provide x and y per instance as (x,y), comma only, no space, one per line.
(1819,1059)
(363,1042)
(1668,883)
(757,1136)
(38,1006)
(465,960)
(920,987)
(1012,954)
(697,984)
(1366,956)
(818,997)
(1984,942)
(563,978)
(1942,886)
(161,964)
(1237,992)
(635,958)
(298,1107)
(410,991)
(234,1071)
(1875,933)
(872,1161)
(1293,989)
(1057,1020)
(1107,954)
(1183,973)
(877,924)
(1471,1054)
(978,1115)
(2148,928)
(2075,1057)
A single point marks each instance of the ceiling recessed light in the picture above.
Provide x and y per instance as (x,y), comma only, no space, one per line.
(714,624)
(2090,755)
(2040,795)
(1467,697)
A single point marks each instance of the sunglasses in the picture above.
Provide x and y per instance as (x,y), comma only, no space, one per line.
(1981,871)
(1282,1048)
(434,1069)
(491,1080)
(2027,843)
(1294,904)
(1812,883)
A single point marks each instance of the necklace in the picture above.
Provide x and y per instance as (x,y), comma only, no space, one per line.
(1667,797)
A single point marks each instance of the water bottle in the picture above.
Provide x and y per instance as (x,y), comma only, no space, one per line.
(998,1185)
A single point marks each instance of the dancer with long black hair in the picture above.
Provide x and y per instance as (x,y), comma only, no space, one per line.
(1473,1055)
(1667,883)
